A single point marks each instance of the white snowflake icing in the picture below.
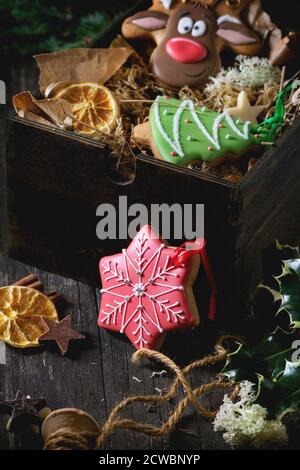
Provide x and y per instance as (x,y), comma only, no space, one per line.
(137,288)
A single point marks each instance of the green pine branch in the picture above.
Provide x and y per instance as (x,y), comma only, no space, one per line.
(32,26)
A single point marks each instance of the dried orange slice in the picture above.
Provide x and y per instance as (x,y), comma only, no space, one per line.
(93,105)
(21,312)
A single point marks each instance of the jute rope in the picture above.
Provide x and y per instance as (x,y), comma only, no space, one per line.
(84,441)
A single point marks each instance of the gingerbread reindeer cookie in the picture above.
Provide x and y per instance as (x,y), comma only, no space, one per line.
(278,48)
(133,27)
(243,26)
(188,51)
(234,11)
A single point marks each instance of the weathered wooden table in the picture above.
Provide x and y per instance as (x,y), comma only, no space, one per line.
(97,373)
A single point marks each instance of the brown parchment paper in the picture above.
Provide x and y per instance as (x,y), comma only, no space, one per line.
(80,65)
(48,112)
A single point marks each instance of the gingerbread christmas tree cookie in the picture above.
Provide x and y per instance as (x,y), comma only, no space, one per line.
(179,132)
(146,293)
(184,133)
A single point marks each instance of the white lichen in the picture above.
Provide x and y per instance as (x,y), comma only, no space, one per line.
(247,73)
(244,423)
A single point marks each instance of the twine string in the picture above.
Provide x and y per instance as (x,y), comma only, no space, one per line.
(69,440)
(84,441)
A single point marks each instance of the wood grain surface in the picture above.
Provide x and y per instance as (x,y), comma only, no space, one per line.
(97,373)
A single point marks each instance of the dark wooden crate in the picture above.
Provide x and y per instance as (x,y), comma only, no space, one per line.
(56,180)
(106,359)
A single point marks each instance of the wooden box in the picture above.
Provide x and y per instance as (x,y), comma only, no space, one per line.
(56,180)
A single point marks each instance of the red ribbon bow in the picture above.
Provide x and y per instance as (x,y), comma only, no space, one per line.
(192,248)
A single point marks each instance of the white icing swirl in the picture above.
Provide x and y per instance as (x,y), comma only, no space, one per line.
(213,138)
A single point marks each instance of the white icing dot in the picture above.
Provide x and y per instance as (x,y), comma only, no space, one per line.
(139,289)
(180,288)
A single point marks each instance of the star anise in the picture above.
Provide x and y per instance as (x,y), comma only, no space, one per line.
(23,410)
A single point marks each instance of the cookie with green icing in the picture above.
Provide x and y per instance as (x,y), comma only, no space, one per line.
(184,133)
(181,133)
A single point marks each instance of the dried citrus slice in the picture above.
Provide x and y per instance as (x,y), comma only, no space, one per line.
(93,105)
(21,312)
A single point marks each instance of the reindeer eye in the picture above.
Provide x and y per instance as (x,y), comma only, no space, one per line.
(199,29)
(185,25)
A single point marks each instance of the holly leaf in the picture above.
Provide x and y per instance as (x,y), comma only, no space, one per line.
(274,365)
(274,362)
(267,358)
(286,290)
(290,290)
(283,395)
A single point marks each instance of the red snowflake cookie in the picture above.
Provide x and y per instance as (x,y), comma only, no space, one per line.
(144,294)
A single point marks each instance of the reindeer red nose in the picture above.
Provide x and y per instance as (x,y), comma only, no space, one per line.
(186,50)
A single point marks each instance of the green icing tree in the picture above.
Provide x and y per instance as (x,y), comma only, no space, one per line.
(184,133)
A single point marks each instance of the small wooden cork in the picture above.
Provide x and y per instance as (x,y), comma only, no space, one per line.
(69,420)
